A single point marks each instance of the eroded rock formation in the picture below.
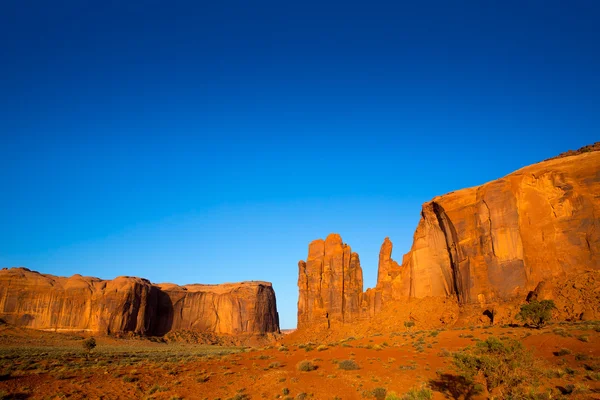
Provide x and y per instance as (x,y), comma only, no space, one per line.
(128,304)
(498,241)
(485,246)
(330,283)
(245,307)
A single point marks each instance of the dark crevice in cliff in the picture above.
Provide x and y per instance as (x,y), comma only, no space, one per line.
(587,242)
(490,226)
(453,249)
(343,283)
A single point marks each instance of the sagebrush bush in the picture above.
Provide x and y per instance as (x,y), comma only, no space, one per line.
(306,366)
(348,365)
(379,393)
(89,345)
(504,364)
(562,352)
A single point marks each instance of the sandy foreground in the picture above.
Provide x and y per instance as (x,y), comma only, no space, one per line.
(45,365)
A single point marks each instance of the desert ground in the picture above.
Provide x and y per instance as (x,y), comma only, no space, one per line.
(48,365)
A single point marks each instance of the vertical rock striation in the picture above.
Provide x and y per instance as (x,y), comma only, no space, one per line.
(330,283)
(230,308)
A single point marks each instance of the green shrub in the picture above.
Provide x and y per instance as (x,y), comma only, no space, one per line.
(423,393)
(306,366)
(348,365)
(392,396)
(504,364)
(536,313)
(409,324)
(89,345)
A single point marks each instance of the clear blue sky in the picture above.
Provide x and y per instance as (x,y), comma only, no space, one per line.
(212,141)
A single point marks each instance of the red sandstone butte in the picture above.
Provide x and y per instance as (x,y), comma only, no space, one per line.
(128,304)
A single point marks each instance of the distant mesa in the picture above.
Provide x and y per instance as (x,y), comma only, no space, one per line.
(134,305)
(476,253)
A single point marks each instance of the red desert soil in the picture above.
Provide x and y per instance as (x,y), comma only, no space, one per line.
(45,365)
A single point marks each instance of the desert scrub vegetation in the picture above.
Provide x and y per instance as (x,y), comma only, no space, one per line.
(89,345)
(348,365)
(63,360)
(562,352)
(240,396)
(306,366)
(536,313)
(157,388)
(378,393)
(506,367)
(583,338)
(422,393)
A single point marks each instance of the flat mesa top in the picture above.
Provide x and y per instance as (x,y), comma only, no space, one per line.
(216,288)
(33,277)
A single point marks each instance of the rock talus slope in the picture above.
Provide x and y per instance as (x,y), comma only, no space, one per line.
(534,232)
(128,304)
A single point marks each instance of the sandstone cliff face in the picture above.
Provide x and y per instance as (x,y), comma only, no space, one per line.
(330,283)
(28,298)
(127,304)
(498,241)
(485,246)
(247,307)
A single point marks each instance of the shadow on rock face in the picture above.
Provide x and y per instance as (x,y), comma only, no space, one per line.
(163,320)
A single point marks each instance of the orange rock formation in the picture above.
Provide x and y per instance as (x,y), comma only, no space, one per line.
(330,282)
(533,232)
(128,304)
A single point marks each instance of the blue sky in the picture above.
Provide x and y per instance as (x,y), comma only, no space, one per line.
(212,141)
